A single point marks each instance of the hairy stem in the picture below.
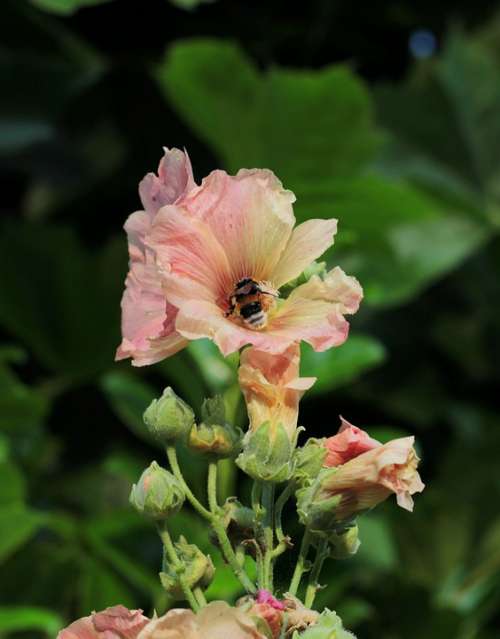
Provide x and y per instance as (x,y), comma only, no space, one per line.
(280,503)
(301,563)
(312,586)
(178,566)
(195,503)
(268,505)
(220,531)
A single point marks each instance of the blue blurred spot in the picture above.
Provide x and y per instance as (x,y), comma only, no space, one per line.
(422,43)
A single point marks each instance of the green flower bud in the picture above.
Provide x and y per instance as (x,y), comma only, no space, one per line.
(267,454)
(157,494)
(213,410)
(197,569)
(219,440)
(309,460)
(168,418)
(328,626)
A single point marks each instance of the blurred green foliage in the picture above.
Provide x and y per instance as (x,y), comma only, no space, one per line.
(410,167)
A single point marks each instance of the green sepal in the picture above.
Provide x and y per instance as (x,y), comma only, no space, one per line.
(267,454)
(197,569)
(309,460)
(328,626)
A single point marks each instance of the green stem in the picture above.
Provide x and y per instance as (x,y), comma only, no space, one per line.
(280,503)
(177,564)
(268,504)
(212,488)
(200,596)
(301,563)
(174,465)
(257,508)
(220,531)
(312,586)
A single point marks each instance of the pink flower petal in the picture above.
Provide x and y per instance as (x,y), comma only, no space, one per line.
(251,216)
(175,179)
(349,442)
(308,242)
(314,312)
(187,248)
(116,622)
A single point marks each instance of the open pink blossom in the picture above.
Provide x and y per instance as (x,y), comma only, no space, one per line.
(349,442)
(272,387)
(236,228)
(113,623)
(370,477)
(148,320)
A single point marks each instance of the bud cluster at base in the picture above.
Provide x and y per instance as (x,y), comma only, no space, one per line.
(197,569)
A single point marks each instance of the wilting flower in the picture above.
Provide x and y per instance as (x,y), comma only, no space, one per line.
(214,621)
(330,501)
(148,320)
(272,387)
(210,263)
(349,442)
(298,616)
(113,623)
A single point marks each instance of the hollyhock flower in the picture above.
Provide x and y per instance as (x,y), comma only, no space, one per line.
(214,621)
(349,442)
(113,623)
(370,477)
(225,248)
(265,597)
(272,387)
(148,320)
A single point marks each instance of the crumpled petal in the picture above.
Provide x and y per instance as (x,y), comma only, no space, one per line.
(218,620)
(176,624)
(116,622)
(174,179)
(314,312)
(148,320)
(307,242)
(369,478)
(349,442)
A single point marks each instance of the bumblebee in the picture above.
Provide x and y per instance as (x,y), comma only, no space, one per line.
(251,301)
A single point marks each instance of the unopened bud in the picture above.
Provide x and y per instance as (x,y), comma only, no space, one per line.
(197,570)
(169,418)
(267,454)
(220,440)
(157,494)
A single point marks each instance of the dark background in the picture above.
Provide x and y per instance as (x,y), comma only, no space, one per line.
(403,150)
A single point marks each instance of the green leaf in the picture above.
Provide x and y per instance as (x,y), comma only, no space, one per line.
(17,526)
(12,485)
(101,587)
(26,618)
(460,94)
(377,548)
(339,366)
(129,397)
(63,302)
(66,7)
(303,124)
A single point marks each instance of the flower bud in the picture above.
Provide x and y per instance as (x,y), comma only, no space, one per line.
(219,440)
(267,454)
(328,626)
(197,569)
(169,418)
(157,494)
